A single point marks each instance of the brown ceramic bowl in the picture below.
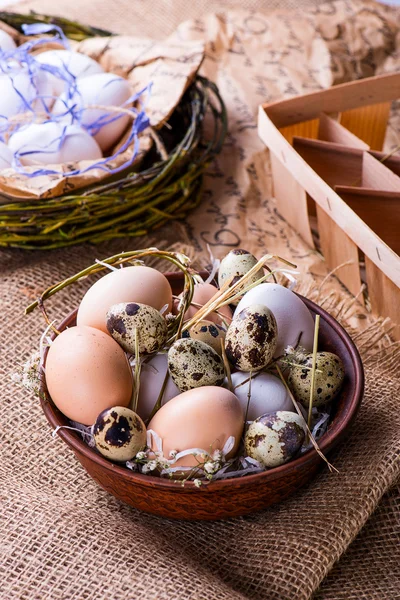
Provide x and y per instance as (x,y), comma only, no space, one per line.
(227,498)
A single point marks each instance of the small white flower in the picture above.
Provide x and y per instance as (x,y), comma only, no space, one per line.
(197,482)
(131,465)
(217,455)
(173,453)
(141,455)
(152,465)
(209,467)
(289,350)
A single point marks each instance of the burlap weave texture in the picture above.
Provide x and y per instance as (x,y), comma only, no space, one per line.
(63,537)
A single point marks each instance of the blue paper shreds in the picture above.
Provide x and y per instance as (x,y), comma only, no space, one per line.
(38,28)
(140,123)
(21,61)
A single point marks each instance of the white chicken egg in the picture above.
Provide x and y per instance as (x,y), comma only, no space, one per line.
(79,145)
(151,381)
(103,89)
(268,394)
(37,143)
(45,94)
(77,64)
(292,315)
(6,156)
(17,93)
(53,143)
(6,41)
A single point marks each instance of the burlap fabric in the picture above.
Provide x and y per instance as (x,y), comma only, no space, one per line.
(64,538)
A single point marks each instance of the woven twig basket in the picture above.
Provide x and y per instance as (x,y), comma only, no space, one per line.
(166,186)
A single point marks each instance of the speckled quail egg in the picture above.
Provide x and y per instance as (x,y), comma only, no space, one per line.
(122,319)
(267,394)
(329,377)
(119,433)
(236,264)
(192,364)
(273,439)
(208,332)
(251,338)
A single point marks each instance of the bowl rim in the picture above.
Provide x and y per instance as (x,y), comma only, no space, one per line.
(326,443)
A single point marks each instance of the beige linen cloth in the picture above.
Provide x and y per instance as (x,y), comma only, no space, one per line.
(62,537)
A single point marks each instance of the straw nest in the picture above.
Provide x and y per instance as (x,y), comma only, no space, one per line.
(166,186)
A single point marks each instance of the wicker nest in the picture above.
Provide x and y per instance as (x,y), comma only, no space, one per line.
(166,186)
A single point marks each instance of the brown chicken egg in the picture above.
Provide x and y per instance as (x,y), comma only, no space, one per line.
(203,292)
(87,372)
(201,418)
(131,284)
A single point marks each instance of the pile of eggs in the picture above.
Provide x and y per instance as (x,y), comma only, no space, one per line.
(187,398)
(63,89)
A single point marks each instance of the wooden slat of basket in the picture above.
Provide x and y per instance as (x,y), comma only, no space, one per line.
(339,250)
(309,129)
(332,131)
(289,194)
(377,176)
(336,164)
(340,98)
(391,162)
(358,121)
(383,294)
(380,211)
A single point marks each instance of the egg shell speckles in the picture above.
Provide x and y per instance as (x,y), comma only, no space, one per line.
(124,318)
(193,364)
(327,383)
(292,315)
(251,338)
(119,433)
(208,332)
(236,264)
(274,439)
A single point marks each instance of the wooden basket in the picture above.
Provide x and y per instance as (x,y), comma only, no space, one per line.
(327,161)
